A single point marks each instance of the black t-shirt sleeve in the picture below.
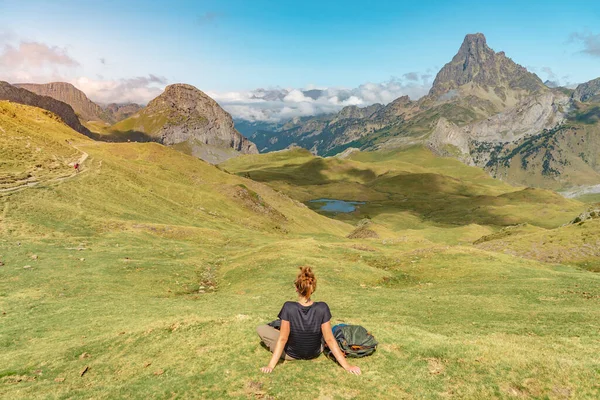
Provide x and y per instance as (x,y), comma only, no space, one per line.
(326,314)
(284,314)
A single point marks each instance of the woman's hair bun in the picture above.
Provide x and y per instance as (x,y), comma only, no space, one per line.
(306,282)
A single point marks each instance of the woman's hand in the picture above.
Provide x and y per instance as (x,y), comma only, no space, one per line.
(268,370)
(353,369)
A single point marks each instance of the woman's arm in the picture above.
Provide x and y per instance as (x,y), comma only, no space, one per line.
(335,349)
(284,333)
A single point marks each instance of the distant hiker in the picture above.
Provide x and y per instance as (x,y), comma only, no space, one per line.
(303,324)
(76,166)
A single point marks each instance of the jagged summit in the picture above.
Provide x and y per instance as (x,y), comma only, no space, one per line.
(480,67)
(474,43)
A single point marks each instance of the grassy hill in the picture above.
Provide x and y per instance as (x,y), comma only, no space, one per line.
(145,275)
(407,189)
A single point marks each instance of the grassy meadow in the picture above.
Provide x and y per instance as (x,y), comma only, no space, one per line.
(146,274)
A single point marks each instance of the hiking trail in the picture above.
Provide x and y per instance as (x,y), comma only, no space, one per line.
(80,161)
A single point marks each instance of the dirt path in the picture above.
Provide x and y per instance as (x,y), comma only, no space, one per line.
(82,159)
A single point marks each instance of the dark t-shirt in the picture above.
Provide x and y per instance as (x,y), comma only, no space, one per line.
(304,341)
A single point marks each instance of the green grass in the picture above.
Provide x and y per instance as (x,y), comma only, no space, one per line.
(153,269)
(439,192)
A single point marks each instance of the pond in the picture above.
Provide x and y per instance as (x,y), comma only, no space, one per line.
(332,205)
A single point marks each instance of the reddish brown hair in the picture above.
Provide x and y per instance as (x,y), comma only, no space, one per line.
(306,282)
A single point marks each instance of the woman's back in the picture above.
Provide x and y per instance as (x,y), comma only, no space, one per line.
(305,328)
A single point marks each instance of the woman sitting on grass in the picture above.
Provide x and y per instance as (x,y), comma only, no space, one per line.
(303,324)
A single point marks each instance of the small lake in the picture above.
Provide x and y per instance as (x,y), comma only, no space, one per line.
(332,205)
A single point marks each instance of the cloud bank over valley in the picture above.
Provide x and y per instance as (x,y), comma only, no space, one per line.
(278,104)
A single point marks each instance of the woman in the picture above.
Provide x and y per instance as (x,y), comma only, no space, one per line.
(303,324)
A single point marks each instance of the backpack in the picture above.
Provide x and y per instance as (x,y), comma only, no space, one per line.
(354,341)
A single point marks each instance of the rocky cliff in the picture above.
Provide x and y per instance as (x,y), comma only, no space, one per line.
(62,110)
(185,116)
(588,92)
(472,142)
(86,109)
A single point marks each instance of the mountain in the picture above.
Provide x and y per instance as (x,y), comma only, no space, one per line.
(483,109)
(186,118)
(323,133)
(475,84)
(62,110)
(86,109)
(119,112)
(588,92)
(476,70)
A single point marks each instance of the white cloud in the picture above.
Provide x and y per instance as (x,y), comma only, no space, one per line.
(34,55)
(591,42)
(132,90)
(30,61)
(277,104)
(296,96)
(24,61)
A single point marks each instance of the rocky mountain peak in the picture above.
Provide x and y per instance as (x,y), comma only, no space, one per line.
(478,65)
(356,112)
(185,114)
(474,45)
(185,98)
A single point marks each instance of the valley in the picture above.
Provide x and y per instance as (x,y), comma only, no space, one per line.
(145,274)
(148,225)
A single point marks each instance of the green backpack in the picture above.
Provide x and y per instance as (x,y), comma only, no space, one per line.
(354,341)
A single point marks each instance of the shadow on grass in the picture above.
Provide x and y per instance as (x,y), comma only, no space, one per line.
(120,137)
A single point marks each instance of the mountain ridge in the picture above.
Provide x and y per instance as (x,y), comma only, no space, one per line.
(66,92)
(64,111)
(483,109)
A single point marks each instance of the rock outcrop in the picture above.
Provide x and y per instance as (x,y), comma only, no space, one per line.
(589,91)
(533,115)
(119,112)
(593,212)
(182,114)
(86,109)
(62,110)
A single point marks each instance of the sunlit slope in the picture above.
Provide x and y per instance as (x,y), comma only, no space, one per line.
(126,184)
(406,187)
(146,274)
(34,146)
(161,313)
(576,244)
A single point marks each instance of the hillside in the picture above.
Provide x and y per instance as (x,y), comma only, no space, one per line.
(58,108)
(577,242)
(37,145)
(145,274)
(406,188)
(186,118)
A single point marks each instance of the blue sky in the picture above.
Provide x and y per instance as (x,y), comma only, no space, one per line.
(235,46)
